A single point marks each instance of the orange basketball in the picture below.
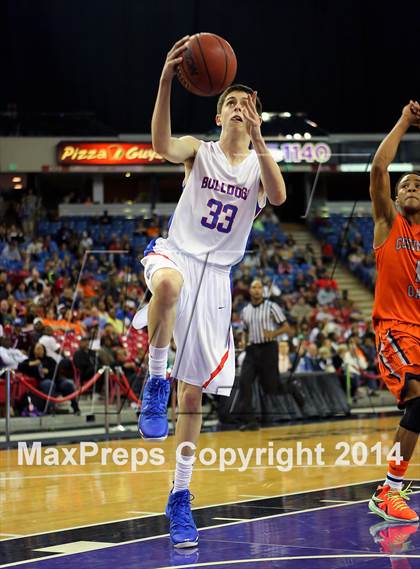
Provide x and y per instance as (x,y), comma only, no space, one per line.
(209,65)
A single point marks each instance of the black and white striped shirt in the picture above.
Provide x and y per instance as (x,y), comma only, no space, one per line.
(265,316)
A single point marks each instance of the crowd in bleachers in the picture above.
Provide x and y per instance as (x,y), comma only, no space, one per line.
(350,239)
(327,332)
(72,287)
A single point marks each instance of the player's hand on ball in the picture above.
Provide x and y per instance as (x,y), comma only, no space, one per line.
(412,113)
(174,58)
(251,116)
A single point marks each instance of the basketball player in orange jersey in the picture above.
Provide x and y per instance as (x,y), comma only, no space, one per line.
(188,273)
(396,311)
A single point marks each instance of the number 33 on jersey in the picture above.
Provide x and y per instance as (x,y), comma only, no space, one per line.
(215,213)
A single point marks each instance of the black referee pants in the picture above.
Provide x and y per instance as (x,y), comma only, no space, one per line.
(261,360)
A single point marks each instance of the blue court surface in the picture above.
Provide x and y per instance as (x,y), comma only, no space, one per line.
(329,528)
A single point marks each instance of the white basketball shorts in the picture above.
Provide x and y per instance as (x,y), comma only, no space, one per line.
(205,354)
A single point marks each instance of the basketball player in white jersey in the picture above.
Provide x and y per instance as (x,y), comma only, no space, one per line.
(226,184)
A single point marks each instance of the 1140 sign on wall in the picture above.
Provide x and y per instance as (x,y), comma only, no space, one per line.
(297,153)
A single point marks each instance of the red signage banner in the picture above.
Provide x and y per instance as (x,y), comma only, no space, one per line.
(107,154)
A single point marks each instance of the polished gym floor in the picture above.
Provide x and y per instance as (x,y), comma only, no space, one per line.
(302,504)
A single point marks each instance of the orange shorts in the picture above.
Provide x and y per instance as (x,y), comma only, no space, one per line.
(398,348)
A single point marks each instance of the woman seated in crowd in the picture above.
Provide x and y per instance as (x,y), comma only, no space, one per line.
(43,368)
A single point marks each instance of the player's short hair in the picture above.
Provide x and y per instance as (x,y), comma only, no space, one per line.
(396,187)
(256,280)
(237,87)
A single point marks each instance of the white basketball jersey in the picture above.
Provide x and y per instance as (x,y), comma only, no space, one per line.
(219,202)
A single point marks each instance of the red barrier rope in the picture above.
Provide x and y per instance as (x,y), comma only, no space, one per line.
(125,385)
(122,382)
(73,395)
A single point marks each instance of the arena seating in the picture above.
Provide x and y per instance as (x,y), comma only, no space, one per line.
(347,237)
(56,252)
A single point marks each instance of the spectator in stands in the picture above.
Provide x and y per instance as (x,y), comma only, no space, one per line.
(35,284)
(21,292)
(61,312)
(106,354)
(325,360)
(85,360)
(356,363)
(355,258)
(109,331)
(20,337)
(302,280)
(35,247)
(9,356)
(285,268)
(45,298)
(327,252)
(42,368)
(87,288)
(14,233)
(11,252)
(116,323)
(86,243)
(301,310)
(94,319)
(310,362)
(303,334)
(285,364)
(3,284)
(6,314)
(50,344)
(112,287)
(326,296)
(66,298)
(37,332)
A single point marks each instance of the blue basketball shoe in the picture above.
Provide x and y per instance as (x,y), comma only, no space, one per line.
(153,419)
(182,528)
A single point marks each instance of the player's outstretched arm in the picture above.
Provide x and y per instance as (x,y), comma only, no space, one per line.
(271,176)
(380,186)
(173,149)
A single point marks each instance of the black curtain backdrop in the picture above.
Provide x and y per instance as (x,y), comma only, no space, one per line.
(350,66)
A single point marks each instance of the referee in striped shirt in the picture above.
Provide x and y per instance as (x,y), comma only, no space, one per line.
(263,321)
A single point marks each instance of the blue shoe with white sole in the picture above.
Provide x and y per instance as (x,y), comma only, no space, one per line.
(182,528)
(153,419)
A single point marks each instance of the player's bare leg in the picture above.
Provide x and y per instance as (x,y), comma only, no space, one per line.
(166,285)
(189,420)
(389,500)
(182,527)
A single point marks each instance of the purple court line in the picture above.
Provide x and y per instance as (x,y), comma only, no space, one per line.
(197,508)
(280,538)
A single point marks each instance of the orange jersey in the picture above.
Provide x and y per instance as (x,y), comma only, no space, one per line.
(397,291)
